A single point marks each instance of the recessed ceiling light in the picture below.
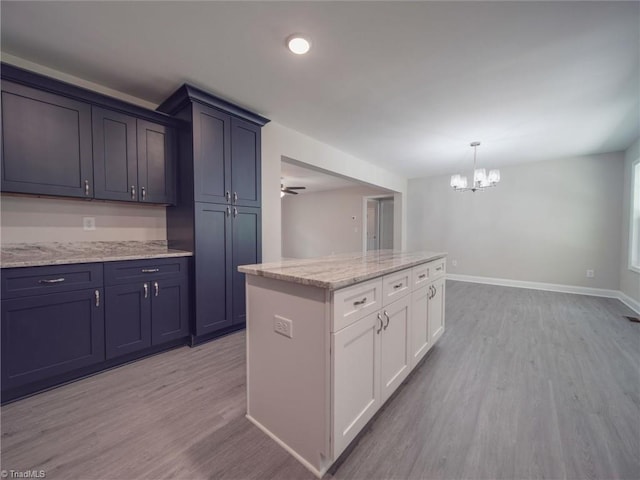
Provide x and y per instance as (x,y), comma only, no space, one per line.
(298,43)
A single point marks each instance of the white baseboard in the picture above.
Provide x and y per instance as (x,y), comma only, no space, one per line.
(630,302)
(552,287)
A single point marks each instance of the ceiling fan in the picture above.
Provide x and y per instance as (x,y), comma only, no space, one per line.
(290,190)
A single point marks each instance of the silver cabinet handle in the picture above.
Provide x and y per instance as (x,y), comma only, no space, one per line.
(156,287)
(143,191)
(361,302)
(150,270)
(133,192)
(86,187)
(146,290)
(97,295)
(388,319)
(381,324)
(397,286)
(235,197)
(53,280)
(422,276)
(435,290)
(439,268)
(228,211)
(235,212)
(227,195)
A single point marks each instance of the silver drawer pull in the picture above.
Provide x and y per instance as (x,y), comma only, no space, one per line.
(97,294)
(146,290)
(156,287)
(143,191)
(439,268)
(53,280)
(235,197)
(397,286)
(235,212)
(150,270)
(133,192)
(361,302)
(86,187)
(422,276)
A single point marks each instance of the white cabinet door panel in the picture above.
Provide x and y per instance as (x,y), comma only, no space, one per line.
(420,338)
(394,346)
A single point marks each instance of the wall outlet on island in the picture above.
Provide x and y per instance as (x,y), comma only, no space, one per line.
(89,223)
(591,274)
(283,326)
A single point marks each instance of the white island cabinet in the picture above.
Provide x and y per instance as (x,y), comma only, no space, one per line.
(330,339)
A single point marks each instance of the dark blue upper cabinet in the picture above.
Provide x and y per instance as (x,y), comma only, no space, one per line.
(46,143)
(211,155)
(245,163)
(115,157)
(57,137)
(156,163)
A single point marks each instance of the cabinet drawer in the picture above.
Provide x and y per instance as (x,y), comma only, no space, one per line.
(354,302)
(420,276)
(396,285)
(437,268)
(141,270)
(26,281)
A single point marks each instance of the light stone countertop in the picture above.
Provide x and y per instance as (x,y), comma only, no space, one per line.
(39,254)
(338,271)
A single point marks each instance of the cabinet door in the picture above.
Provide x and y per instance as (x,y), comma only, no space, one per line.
(246,250)
(115,160)
(156,163)
(395,357)
(436,310)
(47,335)
(211,155)
(46,143)
(245,163)
(356,378)
(420,340)
(212,267)
(127,318)
(169,310)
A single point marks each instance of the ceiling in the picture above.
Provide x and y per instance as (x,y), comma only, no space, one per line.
(405,85)
(295,175)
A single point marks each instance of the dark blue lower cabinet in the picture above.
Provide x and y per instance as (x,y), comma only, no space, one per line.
(128,318)
(169,310)
(143,314)
(48,335)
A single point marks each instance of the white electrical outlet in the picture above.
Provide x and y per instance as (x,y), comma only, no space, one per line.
(283,326)
(454,263)
(89,223)
(591,274)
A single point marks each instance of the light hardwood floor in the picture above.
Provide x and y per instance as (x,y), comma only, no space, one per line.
(523,384)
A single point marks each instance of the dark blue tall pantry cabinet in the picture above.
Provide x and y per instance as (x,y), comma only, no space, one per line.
(217,213)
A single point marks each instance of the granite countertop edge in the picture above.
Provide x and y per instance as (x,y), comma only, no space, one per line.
(267,271)
(50,254)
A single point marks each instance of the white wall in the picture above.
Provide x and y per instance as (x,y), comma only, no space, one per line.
(279,141)
(33,219)
(629,280)
(545,222)
(322,223)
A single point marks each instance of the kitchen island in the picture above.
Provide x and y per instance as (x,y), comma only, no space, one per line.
(330,339)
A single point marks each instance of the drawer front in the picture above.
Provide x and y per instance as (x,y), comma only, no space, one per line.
(420,276)
(26,281)
(396,285)
(354,302)
(437,268)
(127,271)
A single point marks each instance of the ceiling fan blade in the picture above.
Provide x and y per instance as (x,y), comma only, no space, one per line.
(296,188)
(288,190)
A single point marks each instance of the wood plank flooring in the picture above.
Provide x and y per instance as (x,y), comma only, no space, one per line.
(523,384)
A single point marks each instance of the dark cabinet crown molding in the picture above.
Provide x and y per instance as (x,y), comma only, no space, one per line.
(41,82)
(188,93)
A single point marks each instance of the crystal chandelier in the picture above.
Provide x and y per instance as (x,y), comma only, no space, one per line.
(480,178)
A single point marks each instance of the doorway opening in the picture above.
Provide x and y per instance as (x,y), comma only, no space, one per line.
(378,231)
